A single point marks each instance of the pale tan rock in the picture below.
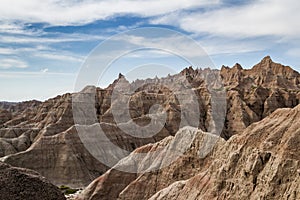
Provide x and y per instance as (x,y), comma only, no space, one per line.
(261,163)
(255,93)
(121,185)
(28,128)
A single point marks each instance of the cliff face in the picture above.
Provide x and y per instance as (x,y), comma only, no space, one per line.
(43,136)
(144,185)
(260,163)
(253,94)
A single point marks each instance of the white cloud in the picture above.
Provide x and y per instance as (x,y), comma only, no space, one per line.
(17,28)
(14,75)
(42,52)
(179,44)
(17,51)
(6,51)
(45,70)
(71,12)
(7,63)
(61,57)
(226,45)
(149,53)
(258,18)
(170,43)
(43,40)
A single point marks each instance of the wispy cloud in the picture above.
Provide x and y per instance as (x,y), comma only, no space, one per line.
(171,44)
(41,74)
(257,18)
(45,70)
(67,12)
(12,27)
(18,50)
(6,51)
(41,52)
(55,56)
(8,63)
(44,36)
(43,40)
(179,44)
(227,45)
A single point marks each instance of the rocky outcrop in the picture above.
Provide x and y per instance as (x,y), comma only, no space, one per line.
(5,116)
(64,159)
(61,158)
(261,163)
(45,132)
(116,184)
(19,107)
(18,183)
(253,94)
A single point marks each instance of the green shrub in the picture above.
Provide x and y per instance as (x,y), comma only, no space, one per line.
(68,190)
(63,187)
(71,191)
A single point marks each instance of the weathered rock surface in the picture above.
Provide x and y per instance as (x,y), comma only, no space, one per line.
(5,116)
(261,163)
(253,94)
(115,184)
(19,184)
(42,135)
(64,159)
(61,157)
(19,107)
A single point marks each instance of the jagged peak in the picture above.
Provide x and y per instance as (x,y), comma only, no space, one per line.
(237,66)
(121,76)
(265,63)
(121,79)
(224,67)
(267,59)
(187,70)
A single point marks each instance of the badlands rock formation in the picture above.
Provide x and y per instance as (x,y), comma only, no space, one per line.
(115,184)
(43,136)
(19,183)
(261,163)
(253,94)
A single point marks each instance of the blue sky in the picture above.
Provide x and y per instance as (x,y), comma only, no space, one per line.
(44,43)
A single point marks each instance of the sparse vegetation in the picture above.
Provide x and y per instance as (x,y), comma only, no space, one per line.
(63,187)
(67,190)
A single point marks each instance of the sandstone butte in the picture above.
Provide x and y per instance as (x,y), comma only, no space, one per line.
(255,157)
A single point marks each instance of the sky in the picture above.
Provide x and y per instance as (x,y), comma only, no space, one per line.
(44,44)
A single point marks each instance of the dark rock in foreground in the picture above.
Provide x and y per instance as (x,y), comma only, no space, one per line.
(23,184)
